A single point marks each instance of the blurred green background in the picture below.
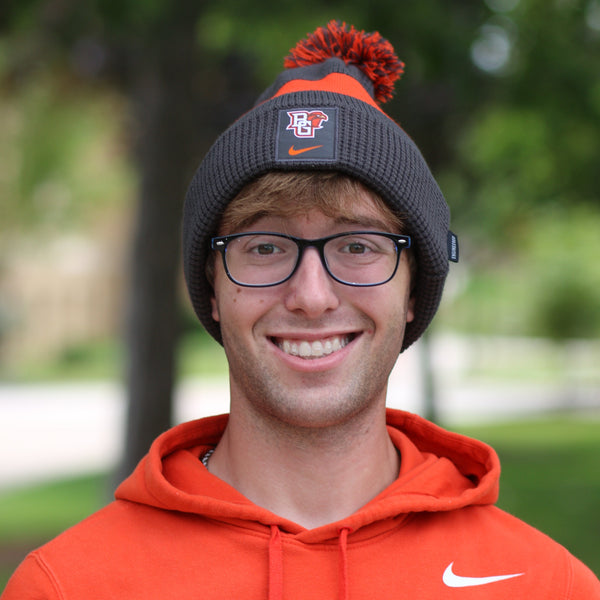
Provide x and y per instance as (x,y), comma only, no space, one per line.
(105,109)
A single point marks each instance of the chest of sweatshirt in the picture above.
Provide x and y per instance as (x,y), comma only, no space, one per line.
(135,551)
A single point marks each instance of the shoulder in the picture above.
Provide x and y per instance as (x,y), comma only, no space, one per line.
(486,539)
(101,549)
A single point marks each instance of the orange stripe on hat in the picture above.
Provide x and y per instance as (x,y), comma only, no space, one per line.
(337,83)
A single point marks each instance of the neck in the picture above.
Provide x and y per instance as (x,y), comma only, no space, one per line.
(311,476)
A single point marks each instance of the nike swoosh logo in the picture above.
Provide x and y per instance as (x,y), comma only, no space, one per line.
(457,581)
(293,152)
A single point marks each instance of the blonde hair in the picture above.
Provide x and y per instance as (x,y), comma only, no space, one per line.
(293,193)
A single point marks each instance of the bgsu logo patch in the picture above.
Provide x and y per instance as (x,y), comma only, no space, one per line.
(306,134)
(304,123)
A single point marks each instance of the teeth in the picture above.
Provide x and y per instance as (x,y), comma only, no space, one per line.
(305,349)
(315,349)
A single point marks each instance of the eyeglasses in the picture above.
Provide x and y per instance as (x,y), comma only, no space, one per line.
(357,258)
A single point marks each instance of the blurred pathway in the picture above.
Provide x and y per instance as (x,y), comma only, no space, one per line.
(62,429)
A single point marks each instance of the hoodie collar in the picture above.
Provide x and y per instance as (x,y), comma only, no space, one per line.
(440,471)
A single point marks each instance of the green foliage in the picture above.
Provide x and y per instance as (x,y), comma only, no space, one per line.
(64,157)
(541,279)
(512,145)
(100,360)
(563,250)
(199,355)
(264,35)
(522,182)
(518,163)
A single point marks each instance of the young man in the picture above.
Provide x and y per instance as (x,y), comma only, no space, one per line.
(316,246)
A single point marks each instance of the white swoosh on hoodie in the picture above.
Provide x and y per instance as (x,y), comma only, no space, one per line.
(457,581)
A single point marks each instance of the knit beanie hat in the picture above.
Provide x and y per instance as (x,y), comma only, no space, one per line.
(323,113)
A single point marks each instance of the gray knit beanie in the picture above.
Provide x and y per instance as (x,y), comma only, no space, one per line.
(323,113)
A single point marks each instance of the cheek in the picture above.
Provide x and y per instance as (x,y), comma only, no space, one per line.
(233,297)
(225,293)
(240,308)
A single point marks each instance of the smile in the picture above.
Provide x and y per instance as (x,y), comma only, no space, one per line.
(315,349)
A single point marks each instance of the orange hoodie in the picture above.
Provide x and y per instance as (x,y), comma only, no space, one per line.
(176,532)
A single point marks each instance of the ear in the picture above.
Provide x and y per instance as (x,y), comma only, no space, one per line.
(215,309)
(410,309)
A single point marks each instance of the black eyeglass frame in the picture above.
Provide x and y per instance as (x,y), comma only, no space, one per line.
(220,244)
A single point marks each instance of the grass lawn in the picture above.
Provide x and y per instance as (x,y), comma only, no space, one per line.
(550,478)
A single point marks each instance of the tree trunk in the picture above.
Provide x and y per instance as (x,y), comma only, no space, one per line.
(163,107)
(180,105)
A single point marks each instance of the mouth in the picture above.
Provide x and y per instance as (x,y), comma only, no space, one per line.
(311,350)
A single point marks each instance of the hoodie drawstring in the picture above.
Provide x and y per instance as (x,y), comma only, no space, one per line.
(276,564)
(344,563)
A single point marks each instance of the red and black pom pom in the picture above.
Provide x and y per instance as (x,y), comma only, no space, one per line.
(371,53)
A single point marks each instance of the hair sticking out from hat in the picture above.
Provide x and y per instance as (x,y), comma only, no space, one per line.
(371,53)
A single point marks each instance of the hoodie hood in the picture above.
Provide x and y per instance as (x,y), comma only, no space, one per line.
(440,471)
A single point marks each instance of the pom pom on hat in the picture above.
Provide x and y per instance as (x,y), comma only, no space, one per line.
(370,52)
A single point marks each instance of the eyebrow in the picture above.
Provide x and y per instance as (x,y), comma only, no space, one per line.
(354,221)
(361,221)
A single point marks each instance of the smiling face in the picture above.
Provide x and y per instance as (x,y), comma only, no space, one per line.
(312,352)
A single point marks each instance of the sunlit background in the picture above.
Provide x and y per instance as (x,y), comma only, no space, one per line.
(105,110)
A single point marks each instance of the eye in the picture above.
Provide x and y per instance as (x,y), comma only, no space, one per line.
(362,246)
(263,246)
(265,249)
(355,248)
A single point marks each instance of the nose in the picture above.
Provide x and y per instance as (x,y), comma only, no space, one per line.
(311,290)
